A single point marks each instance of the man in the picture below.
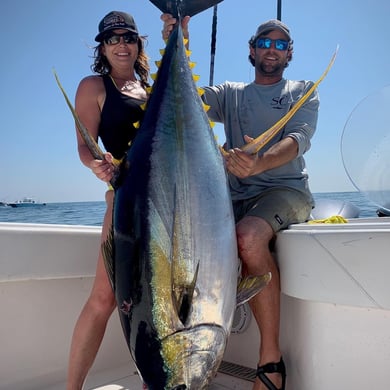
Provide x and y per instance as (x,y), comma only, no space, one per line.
(269,189)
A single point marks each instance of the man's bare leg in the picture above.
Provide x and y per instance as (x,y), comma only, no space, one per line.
(254,235)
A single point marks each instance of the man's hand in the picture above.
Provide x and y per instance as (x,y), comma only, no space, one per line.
(169,24)
(240,163)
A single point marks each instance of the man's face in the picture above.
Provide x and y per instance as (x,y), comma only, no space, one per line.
(269,61)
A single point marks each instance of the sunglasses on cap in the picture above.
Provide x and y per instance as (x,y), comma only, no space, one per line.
(114,39)
(266,43)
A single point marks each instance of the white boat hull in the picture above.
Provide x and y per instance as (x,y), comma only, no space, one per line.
(335,309)
(337,263)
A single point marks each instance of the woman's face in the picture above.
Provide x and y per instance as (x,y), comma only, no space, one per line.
(121,48)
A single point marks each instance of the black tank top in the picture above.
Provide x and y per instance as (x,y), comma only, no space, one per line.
(120,112)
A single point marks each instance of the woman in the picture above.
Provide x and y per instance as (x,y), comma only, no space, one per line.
(108,104)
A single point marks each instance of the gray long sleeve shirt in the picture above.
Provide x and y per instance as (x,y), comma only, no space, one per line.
(251,109)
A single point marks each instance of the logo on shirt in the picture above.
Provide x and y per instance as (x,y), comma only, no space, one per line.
(279,103)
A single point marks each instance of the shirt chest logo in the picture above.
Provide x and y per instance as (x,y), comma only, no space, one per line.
(280,102)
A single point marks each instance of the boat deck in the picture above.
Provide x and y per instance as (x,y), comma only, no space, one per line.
(126,378)
(335,310)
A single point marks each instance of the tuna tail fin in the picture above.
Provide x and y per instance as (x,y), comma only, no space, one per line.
(93,147)
(250,286)
(181,8)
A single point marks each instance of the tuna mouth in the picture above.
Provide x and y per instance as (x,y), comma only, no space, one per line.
(193,356)
(194,370)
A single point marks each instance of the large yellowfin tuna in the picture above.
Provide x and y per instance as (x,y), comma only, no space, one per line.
(172,256)
(174,268)
(175,257)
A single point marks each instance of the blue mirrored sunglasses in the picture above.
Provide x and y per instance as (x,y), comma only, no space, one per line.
(266,43)
(114,39)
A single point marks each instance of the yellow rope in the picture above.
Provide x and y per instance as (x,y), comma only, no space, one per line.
(332,219)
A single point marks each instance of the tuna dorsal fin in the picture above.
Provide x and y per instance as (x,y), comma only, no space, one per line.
(108,256)
(184,7)
(251,285)
(89,140)
(92,145)
(182,296)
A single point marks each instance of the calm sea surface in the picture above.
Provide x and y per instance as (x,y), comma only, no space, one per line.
(91,213)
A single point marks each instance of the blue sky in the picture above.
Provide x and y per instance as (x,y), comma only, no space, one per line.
(38,145)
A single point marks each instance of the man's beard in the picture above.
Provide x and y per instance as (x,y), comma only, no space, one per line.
(270,70)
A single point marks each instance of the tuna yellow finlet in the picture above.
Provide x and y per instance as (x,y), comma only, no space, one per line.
(206,107)
(222,150)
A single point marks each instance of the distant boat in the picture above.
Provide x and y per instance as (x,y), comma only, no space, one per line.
(26,202)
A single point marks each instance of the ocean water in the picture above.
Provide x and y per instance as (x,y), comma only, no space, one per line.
(69,213)
(91,213)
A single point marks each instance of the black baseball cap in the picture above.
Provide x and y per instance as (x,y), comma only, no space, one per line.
(116,20)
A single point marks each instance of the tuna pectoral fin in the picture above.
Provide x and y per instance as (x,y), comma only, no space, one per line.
(108,257)
(250,286)
(184,7)
(182,295)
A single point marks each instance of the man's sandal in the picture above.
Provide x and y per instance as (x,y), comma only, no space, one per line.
(271,368)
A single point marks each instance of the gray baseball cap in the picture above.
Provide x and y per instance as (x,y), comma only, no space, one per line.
(270,25)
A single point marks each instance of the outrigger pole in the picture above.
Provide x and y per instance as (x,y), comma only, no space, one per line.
(213,44)
(214,36)
(279,10)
